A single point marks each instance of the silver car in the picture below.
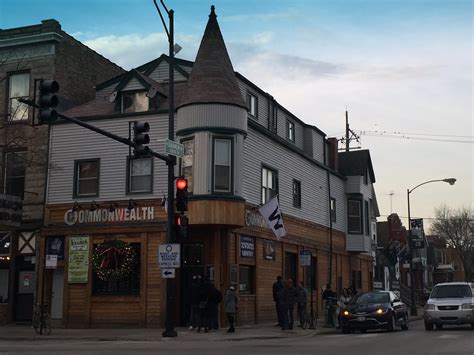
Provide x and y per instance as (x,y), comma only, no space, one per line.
(450,303)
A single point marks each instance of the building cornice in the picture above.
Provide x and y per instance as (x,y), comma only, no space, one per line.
(25,40)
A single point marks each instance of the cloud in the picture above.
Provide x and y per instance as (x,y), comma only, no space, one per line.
(290,13)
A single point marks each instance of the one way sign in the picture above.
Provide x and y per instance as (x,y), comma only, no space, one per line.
(168,273)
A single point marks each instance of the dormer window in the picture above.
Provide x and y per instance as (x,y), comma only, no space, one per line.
(135,101)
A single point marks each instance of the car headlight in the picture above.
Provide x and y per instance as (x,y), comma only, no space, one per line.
(430,307)
(345,313)
(380,311)
(467,306)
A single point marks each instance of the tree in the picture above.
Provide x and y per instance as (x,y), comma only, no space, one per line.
(457,227)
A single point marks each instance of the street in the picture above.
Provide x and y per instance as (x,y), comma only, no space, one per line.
(453,340)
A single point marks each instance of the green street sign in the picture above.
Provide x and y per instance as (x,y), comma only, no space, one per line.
(174,148)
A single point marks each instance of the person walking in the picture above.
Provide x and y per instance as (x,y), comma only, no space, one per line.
(204,295)
(277,286)
(302,301)
(289,298)
(231,306)
(342,303)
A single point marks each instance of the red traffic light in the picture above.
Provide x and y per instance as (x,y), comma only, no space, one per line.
(181,183)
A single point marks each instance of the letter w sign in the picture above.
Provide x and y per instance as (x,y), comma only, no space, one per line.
(272,213)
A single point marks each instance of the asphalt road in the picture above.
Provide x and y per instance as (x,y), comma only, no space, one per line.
(454,340)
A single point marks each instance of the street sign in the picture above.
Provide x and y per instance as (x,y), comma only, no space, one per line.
(378,284)
(174,148)
(305,258)
(169,256)
(168,273)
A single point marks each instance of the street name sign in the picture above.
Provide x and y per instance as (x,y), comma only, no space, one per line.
(174,148)
(168,273)
(169,256)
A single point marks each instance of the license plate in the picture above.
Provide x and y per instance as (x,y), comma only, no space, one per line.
(361,319)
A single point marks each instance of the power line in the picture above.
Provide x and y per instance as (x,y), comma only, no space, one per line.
(387,135)
(420,134)
(430,218)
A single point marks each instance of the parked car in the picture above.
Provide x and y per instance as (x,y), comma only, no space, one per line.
(450,303)
(374,310)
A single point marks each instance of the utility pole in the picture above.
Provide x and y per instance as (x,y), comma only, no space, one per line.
(349,136)
(347,131)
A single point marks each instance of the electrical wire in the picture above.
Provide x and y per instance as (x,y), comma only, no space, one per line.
(388,135)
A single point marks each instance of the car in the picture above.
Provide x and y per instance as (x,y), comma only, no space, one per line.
(450,303)
(374,310)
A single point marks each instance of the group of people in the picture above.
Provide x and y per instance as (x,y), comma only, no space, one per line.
(286,296)
(329,296)
(205,299)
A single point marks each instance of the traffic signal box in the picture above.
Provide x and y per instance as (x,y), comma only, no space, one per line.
(47,101)
(181,221)
(140,138)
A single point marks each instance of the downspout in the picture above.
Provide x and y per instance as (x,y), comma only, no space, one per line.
(330,217)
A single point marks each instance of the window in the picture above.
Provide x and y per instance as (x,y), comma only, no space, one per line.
(246,280)
(140,175)
(125,285)
(296,194)
(354,217)
(291,266)
(269,184)
(222,165)
(367,218)
(15,165)
(187,162)
(274,118)
(333,209)
(19,87)
(86,178)
(135,101)
(290,131)
(252,104)
(5,243)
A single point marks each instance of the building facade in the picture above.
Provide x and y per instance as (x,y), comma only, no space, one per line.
(242,148)
(28,54)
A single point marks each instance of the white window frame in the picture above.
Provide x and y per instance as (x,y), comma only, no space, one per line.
(290,130)
(11,98)
(214,165)
(359,216)
(252,102)
(130,176)
(268,174)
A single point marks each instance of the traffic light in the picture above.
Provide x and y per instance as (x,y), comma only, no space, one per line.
(47,101)
(182,225)
(181,194)
(139,138)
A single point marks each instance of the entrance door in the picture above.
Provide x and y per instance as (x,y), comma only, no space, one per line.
(25,296)
(192,265)
(291,260)
(57,294)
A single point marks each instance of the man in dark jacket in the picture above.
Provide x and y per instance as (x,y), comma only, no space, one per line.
(288,298)
(215,297)
(277,286)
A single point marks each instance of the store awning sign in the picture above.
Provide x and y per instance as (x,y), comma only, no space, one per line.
(10,210)
(271,212)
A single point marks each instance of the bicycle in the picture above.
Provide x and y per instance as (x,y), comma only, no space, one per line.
(310,320)
(41,319)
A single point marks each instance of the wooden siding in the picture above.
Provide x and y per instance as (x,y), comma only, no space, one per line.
(260,149)
(133,84)
(70,142)
(212,115)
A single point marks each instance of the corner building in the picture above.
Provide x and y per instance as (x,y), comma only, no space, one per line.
(241,149)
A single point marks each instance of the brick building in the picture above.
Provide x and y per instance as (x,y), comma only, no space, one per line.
(27,54)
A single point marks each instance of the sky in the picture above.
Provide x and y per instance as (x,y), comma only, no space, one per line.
(403,68)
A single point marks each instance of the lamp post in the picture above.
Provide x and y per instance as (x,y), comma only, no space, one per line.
(450,181)
(170,283)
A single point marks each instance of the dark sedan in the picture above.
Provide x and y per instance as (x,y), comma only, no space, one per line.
(374,310)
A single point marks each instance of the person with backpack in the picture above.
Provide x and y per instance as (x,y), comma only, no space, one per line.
(231,306)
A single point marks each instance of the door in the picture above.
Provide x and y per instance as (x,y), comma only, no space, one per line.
(57,294)
(25,295)
(291,260)
(192,266)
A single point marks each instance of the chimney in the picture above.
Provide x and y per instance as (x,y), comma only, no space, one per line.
(333,154)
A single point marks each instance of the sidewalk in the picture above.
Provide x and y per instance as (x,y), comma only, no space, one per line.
(248,332)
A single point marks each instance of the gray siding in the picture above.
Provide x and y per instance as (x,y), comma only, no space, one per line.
(358,242)
(260,149)
(262,105)
(337,192)
(70,142)
(353,184)
(281,129)
(318,147)
(133,84)
(161,73)
(212,115)
(105,91)
(308,141)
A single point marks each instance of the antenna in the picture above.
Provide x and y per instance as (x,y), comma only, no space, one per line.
(391,193)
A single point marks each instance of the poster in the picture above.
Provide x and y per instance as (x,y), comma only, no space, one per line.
(247,246)
(78,268)
(51,261)
(268,250)
(55,246)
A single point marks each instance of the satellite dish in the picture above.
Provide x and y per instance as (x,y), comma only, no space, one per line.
(112,97)
(151,92)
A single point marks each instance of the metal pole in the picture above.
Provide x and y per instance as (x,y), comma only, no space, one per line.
(170,283)
(413,310)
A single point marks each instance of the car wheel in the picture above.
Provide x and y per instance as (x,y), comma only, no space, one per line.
(405,322)
(346,330)
(428,326)
(392,325)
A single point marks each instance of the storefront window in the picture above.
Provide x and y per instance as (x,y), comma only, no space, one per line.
(125,285)
(246,280)
(187,162)
(4,285)
(5,242)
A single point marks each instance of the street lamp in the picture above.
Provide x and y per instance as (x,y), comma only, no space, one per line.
(450,181)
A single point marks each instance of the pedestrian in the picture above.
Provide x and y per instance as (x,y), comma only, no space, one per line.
(215,297)
(329,298)
(231,306)
(342,303)
(290,296)
(204,293)
(302,301)
(277,286)
(194,312)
